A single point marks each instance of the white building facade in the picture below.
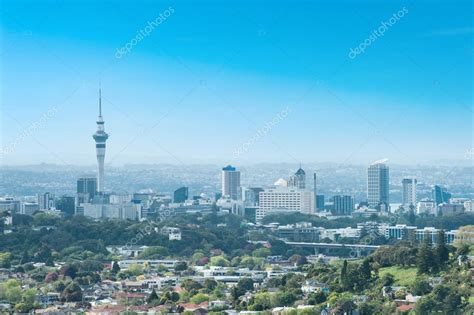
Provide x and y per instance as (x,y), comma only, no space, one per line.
(409,191)
(283,198)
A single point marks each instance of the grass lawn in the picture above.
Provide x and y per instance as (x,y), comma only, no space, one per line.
(403,276)
(471,299)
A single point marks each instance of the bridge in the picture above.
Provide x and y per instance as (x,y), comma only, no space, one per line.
(355,250)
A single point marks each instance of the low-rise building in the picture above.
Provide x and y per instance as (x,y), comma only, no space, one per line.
(151,263)
(451,209)
(130,211)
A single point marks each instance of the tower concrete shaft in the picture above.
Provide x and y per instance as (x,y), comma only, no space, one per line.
(100,137)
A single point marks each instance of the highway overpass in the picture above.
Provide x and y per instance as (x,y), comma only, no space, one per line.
(355,250)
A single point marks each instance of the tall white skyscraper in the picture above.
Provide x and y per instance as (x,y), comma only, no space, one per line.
(100,138)
(230,182)
(409,191)
(378,185)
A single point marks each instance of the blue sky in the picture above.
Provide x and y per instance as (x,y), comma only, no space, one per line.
(211,74)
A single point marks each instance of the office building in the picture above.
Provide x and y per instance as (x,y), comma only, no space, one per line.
(100,137)
(126,211)
(299,232)
(10,204)
(440,194)
(86,190)
(343,205)
(426,206)
(29,208)
(412,233)
(469,206)
(283,198)
(230,183)
(231,206)
(399,232)
(446,209)
(180,195)
(320,202)
(46,201)
(409,191)
(337,234)
(378,186)
(119,198)
(67,205)
(252,196)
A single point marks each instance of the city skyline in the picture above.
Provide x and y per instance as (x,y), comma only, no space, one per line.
(259,157)
(167,104)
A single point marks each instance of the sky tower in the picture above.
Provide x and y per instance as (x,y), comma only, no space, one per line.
(100,137)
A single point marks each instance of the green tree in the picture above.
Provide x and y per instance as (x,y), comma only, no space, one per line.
(115,267)
(387,280)
(68,270)
(72,293)
(317,297)
(421,286)
(199,298)
(452,304)
(262,252)
(426,305)
(11,291)
(344,275)
(25,258)
(441,251)
(425,258)
(5,259)
(153,297)
(135,269)
(28,298)
(244,285)
(210,285)
(23,308)
(181,266)
(365,270)
(154,252)
(191,285)
(220,261)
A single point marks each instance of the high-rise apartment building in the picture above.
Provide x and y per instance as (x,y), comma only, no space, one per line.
(378,186)
(343,205)
(409,191)
(230,185)
(46,201)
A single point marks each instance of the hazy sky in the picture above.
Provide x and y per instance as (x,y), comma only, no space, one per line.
(237,82)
